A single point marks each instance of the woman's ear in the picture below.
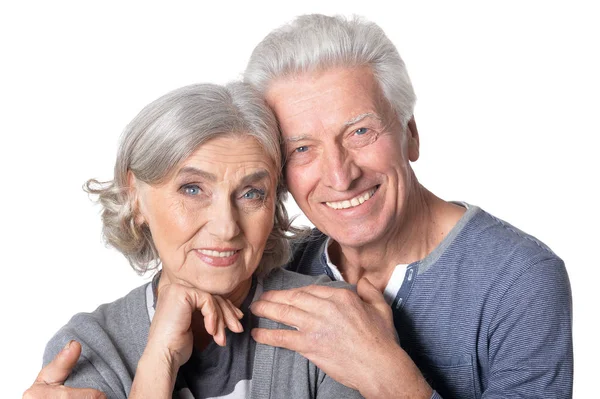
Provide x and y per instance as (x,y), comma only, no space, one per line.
(133,188)
(413,140)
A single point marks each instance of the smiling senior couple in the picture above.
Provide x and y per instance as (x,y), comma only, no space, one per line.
(450,301)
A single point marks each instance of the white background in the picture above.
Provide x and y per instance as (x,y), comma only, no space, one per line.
(507,113)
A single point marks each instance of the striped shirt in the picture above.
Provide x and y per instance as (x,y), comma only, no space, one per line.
(486,314)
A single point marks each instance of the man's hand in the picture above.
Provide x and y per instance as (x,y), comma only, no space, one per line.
(49,382)
(350,337)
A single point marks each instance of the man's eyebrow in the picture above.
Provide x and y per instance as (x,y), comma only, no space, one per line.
(255,176)
(294,139)
(190,170)
(360,117)
(350,122)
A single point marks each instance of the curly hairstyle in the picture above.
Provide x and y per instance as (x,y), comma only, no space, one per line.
(165,133)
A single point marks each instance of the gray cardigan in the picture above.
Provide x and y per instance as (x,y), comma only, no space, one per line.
(114,336)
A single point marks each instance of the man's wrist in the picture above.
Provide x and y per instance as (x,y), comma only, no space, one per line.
(397,376)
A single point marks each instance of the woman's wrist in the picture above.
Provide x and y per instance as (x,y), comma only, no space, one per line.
(155,375)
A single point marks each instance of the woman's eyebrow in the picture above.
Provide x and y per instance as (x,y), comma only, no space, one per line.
(191,171)
(259,175)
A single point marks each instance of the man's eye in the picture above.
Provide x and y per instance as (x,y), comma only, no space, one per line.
(191,189)
(303,148)
(254,194)
(361,131)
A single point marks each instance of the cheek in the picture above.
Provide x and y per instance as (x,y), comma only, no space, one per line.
(300,181)
(386,155)
(172,226)
(257,229)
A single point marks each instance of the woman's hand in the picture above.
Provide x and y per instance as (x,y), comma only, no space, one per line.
(171,337)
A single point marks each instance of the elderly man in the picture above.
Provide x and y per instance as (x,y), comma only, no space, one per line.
(471,306)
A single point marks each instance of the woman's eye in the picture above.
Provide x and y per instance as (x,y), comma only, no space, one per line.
(303,148)
(254,194)
(361,131)
(191,189)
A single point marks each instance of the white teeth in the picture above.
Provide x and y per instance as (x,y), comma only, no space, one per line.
(352,202)
(216,254)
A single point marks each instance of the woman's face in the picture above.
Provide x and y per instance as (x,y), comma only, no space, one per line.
(211,218)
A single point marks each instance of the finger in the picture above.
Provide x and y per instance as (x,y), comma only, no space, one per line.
(289,339)
(289,315)
(208,307)
(212,313)
(370,294)
(57,371)
(219,337)
(239,314)
(229,315)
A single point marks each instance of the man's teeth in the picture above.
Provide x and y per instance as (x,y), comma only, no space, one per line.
(216,254)
(356,201)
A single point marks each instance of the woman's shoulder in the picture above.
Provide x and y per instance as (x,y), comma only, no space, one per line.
(282,279)
(112,338)
(111,317)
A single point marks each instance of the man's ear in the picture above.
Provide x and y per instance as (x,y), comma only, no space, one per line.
(412,140)
(133,190)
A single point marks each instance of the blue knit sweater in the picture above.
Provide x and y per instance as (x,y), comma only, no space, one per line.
(487,314)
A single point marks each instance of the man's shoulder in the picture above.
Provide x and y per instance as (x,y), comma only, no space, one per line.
(488,252)
(502,238)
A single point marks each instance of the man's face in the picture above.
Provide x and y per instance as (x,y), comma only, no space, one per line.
(347,155)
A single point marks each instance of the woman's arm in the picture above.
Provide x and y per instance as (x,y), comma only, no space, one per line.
(171,339)
(50,380)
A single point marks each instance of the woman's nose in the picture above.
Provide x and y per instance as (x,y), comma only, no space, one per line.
(224,221)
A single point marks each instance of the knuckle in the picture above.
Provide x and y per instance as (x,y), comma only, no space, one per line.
(284,311)
(169,291)
(296,296)
(62,393)
(279,337)
(347,296)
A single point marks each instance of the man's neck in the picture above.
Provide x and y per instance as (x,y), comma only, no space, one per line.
(423,226)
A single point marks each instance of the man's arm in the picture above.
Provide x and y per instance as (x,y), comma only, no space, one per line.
(50,380)
(350,337)
(530,339)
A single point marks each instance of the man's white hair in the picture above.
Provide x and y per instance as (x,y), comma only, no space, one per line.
(319,42)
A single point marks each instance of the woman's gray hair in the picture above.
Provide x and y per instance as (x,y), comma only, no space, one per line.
(319,42)
(165,133)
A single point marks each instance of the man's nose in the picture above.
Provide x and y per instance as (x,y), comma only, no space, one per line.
(224,222)
(339,170)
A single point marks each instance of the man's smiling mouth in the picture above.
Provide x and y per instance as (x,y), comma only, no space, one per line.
(352,202)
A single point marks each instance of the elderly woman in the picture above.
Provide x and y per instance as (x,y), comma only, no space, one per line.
(196,190)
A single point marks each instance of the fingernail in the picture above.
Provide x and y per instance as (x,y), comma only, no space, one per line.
(67,345)
(240,327)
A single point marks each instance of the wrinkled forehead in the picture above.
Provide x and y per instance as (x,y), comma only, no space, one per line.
(339,97)
(235,157)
